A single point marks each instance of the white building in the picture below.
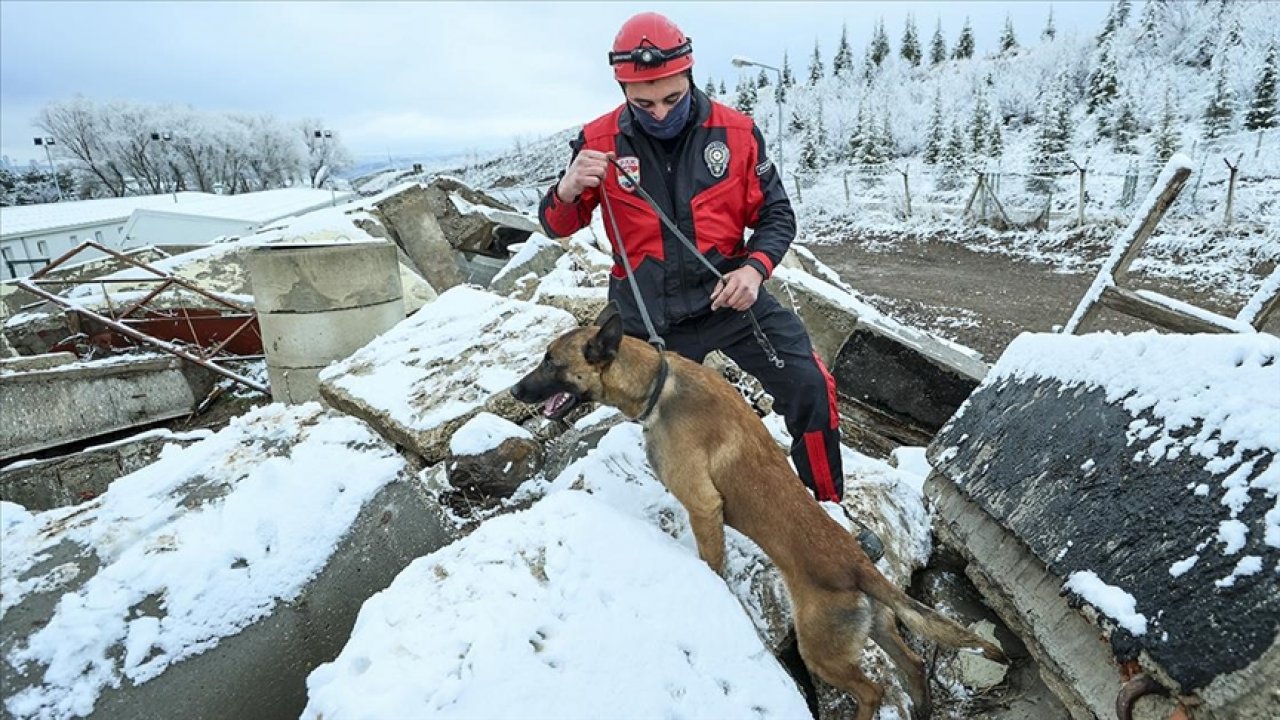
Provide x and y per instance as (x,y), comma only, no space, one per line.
(32,235)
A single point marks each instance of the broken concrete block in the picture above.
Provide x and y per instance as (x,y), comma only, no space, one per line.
(977,672)
(1150,455)
(424,378)
(209,583)
(538,255)
(85,400)
(492,456)
(408,217)
(27,363)
(45,484)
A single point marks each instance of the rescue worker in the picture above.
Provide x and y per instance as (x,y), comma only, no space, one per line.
(706,167)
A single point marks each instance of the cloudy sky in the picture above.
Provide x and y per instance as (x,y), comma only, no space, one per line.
(420,78)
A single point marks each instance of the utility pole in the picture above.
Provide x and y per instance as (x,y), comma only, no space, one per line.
(165,137)
(47,142)
(739,61)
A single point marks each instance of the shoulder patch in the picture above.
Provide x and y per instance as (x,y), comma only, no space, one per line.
(763,167)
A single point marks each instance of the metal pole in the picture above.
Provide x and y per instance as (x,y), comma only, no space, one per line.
(54,170)
(777,93)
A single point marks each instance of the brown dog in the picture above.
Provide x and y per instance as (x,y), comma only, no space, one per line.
(713,453)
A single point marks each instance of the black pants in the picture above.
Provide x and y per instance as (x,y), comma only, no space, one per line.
(804,393)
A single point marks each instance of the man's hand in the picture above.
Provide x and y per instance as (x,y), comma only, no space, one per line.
(737,289)
(586,170)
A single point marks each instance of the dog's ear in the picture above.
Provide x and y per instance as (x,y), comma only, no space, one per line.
(609,311)
(603,348)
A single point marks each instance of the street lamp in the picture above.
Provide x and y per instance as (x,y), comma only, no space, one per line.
(47,142)
(325,136)
(739,61)
(166,137)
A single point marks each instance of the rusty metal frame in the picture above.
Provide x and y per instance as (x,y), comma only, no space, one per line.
(205,357)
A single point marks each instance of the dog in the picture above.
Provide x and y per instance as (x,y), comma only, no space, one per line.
(716,456)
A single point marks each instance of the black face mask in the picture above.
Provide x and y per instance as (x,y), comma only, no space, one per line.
(669,126)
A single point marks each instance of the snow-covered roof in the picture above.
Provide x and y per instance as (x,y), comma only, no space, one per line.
(256,207)
(46,217)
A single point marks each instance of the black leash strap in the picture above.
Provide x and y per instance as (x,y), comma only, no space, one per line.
(756,330)
(654,338)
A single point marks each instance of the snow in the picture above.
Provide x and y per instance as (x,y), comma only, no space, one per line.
(912,461)
(1180,568)
(483,433)
(601,615)
(1109,600)
(525,252)
(222,530)
(1248,565)
(599,415)
(1269,288)
(1230,324)
(47,217)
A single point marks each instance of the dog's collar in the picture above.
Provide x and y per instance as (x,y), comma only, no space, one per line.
(657,389)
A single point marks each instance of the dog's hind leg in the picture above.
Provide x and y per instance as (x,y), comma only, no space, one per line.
(830,632)
(884,631)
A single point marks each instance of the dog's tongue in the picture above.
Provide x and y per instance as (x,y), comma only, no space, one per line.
(554,403)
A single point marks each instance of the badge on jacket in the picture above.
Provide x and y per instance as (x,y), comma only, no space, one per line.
(716,155)
(632,165)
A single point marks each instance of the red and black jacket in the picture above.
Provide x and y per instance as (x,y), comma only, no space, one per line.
(723,183)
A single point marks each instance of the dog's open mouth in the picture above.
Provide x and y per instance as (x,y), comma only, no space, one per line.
(559,405)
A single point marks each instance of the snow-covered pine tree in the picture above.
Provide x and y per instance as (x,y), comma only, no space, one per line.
(964,44)
(952,161)
(978,123)
(1151,26)
(910,49)
(788,80)
(842,62)
(888,144)
(1231,37)
(1108,27)
(880,43)
(815,65)
(1124,126)
(874,150)
(995,140)
(820,128)
(1049,32)
(710,90)
(1262,111)
(810,155)
(1168,136)
(1222,106)
(1008,41)
(936,135)
(1103,84)
(762,80)
(797,125)
(858,137)
(1053,138)
(938,47)
(724,92)
(1122,13)
(745,101)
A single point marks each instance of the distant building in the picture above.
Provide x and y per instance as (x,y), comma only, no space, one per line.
(32,235)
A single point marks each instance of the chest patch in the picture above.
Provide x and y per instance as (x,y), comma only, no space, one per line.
(632,165)
(716,155)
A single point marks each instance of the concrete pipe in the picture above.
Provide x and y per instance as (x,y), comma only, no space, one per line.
(319,303)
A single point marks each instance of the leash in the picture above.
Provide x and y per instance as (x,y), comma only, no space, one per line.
(756,330)
(654,338)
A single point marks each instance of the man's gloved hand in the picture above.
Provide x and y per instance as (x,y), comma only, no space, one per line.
(737,289)
(586,170)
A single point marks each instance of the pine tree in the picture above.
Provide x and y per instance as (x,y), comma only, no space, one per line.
(938,47)
(1231,38)
(815,65)
(710,90)
(1008,42)
(978,124)
(842,63)
(1049,32)
(723,91)
(888,145)
(1262,111)
(1053,137)
(1122,13)
(1151,25)
(1103,85)
(1167,139)
(797,124)
(936,135)
(1109,27)
(964,45)
(858,137)
(874,147)
(952,160)
(995,140)
(788,80)
(820,128)
(745,102)
(879,44)
(762,80)
(910,49)
(1222,107)
(1124,127)
(810,155)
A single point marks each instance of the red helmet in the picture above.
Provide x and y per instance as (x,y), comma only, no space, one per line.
(650,47)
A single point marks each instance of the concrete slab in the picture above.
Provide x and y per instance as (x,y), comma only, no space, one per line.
(53,407)
(27,363)
(186,591)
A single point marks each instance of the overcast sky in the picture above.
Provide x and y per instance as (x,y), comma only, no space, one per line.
(421,78)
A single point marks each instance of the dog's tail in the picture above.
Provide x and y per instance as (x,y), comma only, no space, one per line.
(927,621)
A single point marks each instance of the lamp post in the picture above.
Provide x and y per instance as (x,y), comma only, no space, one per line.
(46,142)
(166,137)
(739,61)
(324,136)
